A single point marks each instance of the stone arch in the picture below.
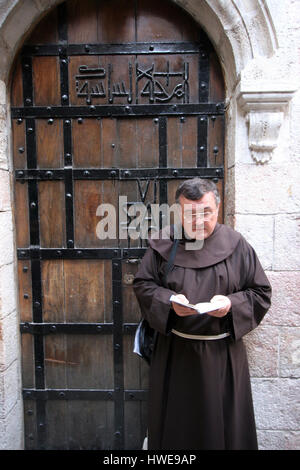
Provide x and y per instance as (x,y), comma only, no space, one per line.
(240,31)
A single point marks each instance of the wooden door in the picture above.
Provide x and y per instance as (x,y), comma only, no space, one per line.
(109,98)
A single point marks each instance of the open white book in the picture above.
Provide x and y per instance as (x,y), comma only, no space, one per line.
(202,307)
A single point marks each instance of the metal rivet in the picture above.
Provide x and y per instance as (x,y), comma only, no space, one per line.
(113,145)
(174,106)
(53,328)
(19,121)
(117,346)
(127,108)
(70,242)
(155,120)
(28,100)
(80,120)
(37,304)
(99,328)
(26,66)
(79,252)
(58,252)
(67,122)
(201,148)
(64,97)
(203,85)
(50,121)
(29,412)
(69,195)
(29,130)
(151,48)
(25,269)
(33,205)
(86,173)
(175,172)
(126,173)
(113,173)
(117,433)
(39,368)
(21,150)
(87,48)
(218,172)
(216,149)
(49,173)
(93,107)
(20,173)
(61,394)
(213,118)
(182,119)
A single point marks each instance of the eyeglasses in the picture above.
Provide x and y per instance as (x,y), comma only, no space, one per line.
(203,216)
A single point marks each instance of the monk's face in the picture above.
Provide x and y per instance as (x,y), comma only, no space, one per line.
(199,217)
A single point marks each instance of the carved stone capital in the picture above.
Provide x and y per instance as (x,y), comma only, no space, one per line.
(264,130)
(264,113)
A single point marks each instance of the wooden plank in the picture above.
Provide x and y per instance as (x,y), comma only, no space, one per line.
(52,214)
(86,136)
(21,214)
(53,295)
(49,143)
(25,296)
(147,143)
(216,141)
(160,20)
(82,21)
(46,82)
(216,80)
(109,143)
(19,144)
(89,361)
(89,195)
(131,311)
(27,361)
(17,85)
(87,291)
(46,30)
(116,21)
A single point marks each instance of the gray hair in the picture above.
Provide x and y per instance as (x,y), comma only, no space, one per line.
(195,188)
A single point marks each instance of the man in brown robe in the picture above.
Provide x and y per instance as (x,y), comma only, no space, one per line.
(199,392)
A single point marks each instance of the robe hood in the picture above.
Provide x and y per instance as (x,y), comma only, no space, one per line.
(217,247)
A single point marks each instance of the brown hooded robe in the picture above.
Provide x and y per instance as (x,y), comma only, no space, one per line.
(199,391)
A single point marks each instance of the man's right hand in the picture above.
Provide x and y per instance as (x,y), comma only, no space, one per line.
(180,309)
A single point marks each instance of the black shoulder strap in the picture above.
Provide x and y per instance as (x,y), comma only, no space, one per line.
(170,261)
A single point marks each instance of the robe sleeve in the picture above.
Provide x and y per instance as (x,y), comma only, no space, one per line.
(250,304)
(153,299)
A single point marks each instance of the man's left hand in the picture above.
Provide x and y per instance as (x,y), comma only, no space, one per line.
(224,306)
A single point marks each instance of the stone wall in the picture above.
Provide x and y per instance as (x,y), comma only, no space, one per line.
(258,45)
